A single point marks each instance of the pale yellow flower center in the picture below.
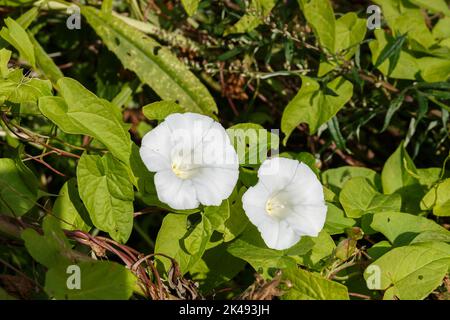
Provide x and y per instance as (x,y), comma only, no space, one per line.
(183,171)
(274,207)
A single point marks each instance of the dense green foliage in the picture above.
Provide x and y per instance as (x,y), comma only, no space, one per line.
(367,110)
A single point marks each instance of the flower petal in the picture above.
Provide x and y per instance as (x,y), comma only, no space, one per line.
(254,203)
(305,188)
(155,149)
(177,193)
(278,235)
(214,184)
(307,219)
(276,173)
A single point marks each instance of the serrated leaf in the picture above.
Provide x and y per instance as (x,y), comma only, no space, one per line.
(107,192)
(154,64)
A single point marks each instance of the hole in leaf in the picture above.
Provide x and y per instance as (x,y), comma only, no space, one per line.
(389,219)
(420,277)
(156,50)
(117,41)
(177,101)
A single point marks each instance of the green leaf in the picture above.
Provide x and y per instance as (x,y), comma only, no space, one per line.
(107,192)
(406,67)
(320,16)
(44,62)
(319,249)
(69,209)
(190,6)
(335,131)
(99,280)
(17,88)
(176,240)
(379,249)
(161,109)
(399,175)
(196,241)
(336,178)
(401,228)
(412,271)
(154,64)
(249,246)
(252,142)
(82,112)
(393,108)
(349,33)
(107,6)
(52,248)
(5,56)
(391,50)
(435,6)
(237,221)
(398,171)
(336,222)
(434,69)
(211,271)
(18,38)
(441,30)
(438,199)
(4,296)
(311,286)
(217,215)
(17,194)
(359,197)
(313,106)
(254,16)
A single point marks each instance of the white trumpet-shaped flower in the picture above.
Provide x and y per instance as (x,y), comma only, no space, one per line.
(286,203)
(194,161)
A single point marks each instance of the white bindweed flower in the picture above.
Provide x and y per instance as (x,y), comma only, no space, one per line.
(194,161)
(286,203)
